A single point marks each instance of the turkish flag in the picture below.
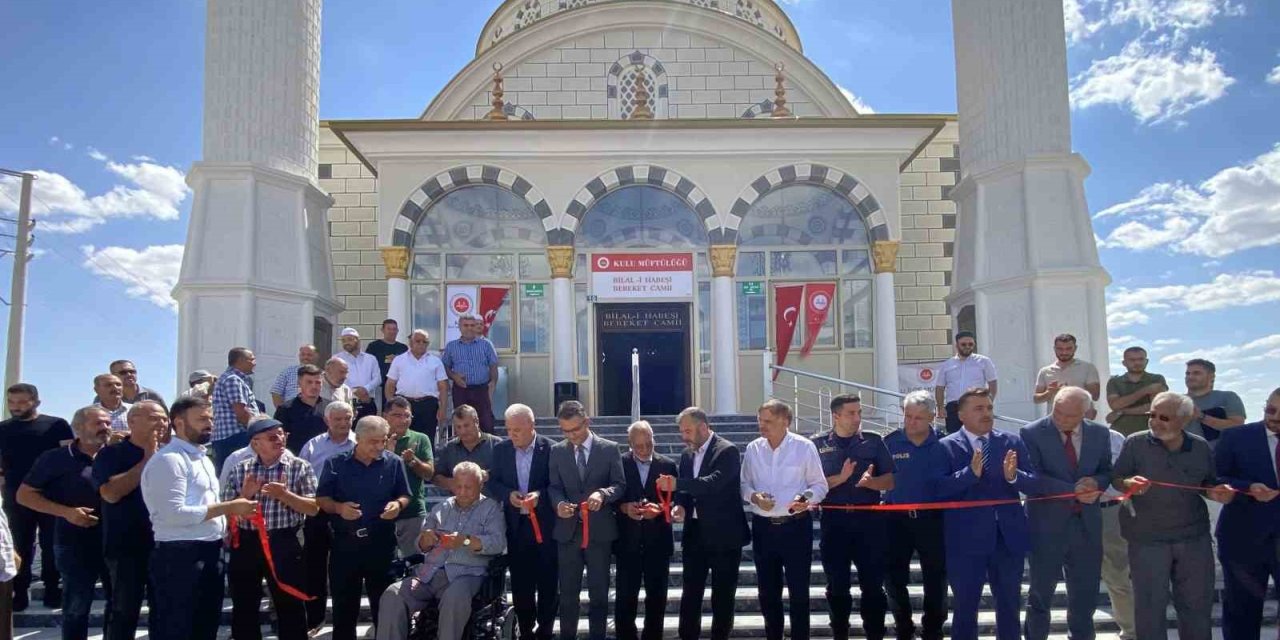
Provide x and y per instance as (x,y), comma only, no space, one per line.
(786,310)
(491,299)
(818,299)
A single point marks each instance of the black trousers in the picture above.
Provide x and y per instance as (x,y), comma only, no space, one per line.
(424,417)
(23,524)
(859,538)
(245,572)
(534,576)
(702,555)
(130,584)
(317,541)
(953,417)
(648,566)
(189,600)
(359,564)
(1245,590)
(783,553)
(917,533)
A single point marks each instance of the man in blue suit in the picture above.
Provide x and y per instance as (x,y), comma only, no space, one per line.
(1249,528)
(1070,455)
(985,544)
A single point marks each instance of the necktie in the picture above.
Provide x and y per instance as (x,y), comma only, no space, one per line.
(986,457)
(1072,458)
(582,463)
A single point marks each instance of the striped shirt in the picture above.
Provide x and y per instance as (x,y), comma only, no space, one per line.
(470,358)
(233,388)
(286,384)
(119,421)
(290,470)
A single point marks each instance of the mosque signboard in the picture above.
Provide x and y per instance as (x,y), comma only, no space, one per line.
(641,275)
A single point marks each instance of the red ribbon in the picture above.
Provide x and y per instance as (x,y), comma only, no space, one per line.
(665,497)
(962,504)
(585,514)
(260,524)
(533,519)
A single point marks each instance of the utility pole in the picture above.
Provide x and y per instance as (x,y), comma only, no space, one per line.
(18,288)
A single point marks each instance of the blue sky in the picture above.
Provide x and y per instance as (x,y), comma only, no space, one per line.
(1174,104)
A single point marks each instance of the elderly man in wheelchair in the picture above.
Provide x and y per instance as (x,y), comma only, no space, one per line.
(459,538)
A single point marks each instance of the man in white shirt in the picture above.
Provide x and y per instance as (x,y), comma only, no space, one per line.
(960,373)
(420,377)
(363,374)
(181,489)
(781,478)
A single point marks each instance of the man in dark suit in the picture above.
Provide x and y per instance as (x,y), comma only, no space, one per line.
(1249,528)
(585,470)
(1070,455)
(709,499)
(982,542)
(644,544)
(519,479)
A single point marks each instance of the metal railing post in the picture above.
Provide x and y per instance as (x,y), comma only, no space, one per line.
(635,384)
(768,373)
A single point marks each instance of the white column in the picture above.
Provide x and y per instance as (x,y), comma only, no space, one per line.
(1025,253)
(724,333)
(885,327)
(564,335)
(396,261)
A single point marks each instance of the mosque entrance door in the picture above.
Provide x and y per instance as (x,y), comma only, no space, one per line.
(660,333)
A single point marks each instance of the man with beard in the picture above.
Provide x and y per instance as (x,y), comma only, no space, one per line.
(1168,528)
(1129,394)
(180,488)
(644,544)
(110,396)
(1066,371)
(23,437)
(363,375)
(285,488)
(303,416)
(519,479)
(1249,529)
(1216,410)
(963,371)
(59,485)
(126,530)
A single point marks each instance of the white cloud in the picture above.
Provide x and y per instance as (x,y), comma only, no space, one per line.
(1128,307)
(149,274)
(1155,83)
(1167,342)
(97,155)
(1237,208)
(149,190)
(1264,349)
(55,141)
(1174,18)
(1274,76)
(854,100)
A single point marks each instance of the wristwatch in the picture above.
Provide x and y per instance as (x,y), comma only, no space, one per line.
(466,542)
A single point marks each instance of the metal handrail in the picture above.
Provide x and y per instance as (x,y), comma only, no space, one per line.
(635,384)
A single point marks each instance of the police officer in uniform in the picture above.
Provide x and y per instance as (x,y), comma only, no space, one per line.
(858,467)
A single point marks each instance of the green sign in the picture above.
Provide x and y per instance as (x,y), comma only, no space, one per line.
(534,290)
(752,288)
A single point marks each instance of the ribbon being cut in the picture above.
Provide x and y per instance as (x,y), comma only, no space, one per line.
(259,523)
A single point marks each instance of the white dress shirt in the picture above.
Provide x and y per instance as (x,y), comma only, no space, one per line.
(178,485)
(362,371)
(959,375)
(417,377)
(8,566)
(698,456)
(792,469)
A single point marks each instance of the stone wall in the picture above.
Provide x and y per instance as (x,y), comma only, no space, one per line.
(358,274)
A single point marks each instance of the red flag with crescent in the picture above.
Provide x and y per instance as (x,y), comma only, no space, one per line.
(786,309)
(491,299)
(817,303)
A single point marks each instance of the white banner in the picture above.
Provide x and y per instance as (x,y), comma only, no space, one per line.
(641,275)
(459,299)
(917,376)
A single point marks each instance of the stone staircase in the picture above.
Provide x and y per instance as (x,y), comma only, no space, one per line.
(38,622)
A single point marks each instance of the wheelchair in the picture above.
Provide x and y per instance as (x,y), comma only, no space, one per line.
(492,617)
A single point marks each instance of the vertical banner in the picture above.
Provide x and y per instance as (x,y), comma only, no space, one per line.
(491,299)
(817,303)
(786,309)
(459,299)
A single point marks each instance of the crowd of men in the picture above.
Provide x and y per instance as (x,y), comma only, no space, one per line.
(177,506)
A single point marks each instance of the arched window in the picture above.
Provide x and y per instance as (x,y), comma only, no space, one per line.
(484,235)
(642,216)
(626,74)
(797,233)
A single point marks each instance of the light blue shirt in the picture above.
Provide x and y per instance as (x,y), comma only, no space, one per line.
(524,465)
(178,486)
(643,467)
(319,449)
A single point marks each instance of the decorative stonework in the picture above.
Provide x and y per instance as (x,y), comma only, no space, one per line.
(561,260)
(723,259)
(396,260)
(815,174)
(780,109)
(636,175)
(632,75)
(885,254)
(418,202)
(499,110)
